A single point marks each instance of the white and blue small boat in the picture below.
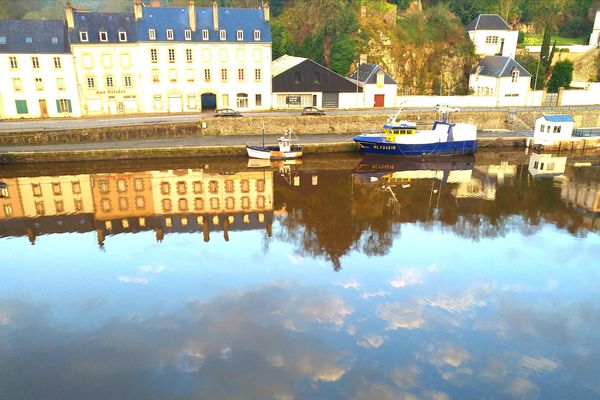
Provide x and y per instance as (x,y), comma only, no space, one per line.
(402,138)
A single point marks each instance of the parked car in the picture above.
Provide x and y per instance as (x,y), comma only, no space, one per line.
(312,111)
(3,186)
(227,112)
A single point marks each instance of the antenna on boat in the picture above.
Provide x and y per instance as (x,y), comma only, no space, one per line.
(444,111)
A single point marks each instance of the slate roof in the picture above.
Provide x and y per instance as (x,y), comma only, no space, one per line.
(230,19)
(33,36)
(499,67)
(367,74)
(112,23)
(488,22)
(558,118)
(284,63)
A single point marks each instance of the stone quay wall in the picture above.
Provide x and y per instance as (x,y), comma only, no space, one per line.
(253,125)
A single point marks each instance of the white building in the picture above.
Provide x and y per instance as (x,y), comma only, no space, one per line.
(595,36)
(492,36)
(105,49)
(37,76)
(299,82)
(553,128)
(193,59)
(501,77)
(379,88)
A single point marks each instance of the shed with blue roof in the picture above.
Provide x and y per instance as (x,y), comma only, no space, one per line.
(553,128)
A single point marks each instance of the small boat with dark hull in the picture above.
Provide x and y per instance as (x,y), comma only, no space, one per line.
(402,138)
(284,150)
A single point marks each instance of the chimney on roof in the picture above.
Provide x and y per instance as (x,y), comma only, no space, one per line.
(70,18)
(137,9)
(266,11)
(215,16)
(192,15)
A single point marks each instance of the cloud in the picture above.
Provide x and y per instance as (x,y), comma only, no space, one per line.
(350,285)
(539,364)
(408,277)
(368,295)
(371,341)
(151,269)
(400,316)
(134,280)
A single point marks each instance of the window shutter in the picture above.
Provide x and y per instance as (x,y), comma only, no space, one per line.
(58,106)
(21,106)
(70,109)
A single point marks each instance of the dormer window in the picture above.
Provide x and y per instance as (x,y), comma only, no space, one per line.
(83,36)
(28,40)
(2,39)
(122,36)
(239,34)
(54,40)
(204,34)
(256,34)
(222,34)
(103,36)
(188,34)
(170,35)
(515,76)
(151,34)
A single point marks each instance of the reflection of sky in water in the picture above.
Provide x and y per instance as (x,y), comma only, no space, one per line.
(509,317)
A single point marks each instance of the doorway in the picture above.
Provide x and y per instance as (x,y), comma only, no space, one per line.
(379,100)
(209,101)
(43,108)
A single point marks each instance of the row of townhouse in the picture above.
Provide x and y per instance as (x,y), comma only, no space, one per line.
(152,60)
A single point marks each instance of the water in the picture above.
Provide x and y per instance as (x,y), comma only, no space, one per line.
(464,278)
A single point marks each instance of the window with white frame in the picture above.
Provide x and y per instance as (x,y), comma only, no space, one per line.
(239,34)
(17,84)
(35,62)
(491,40)
(151,34)
(155,75)
(170,35)
(171,55)
(515,76)
(91,82)
(256,34)
(224,74)
(60,84)
(188,34)
(189,57)
(222,34)
(154,55)
(241,74)
(122,36)
(242,100)
(83,36)
(13,62)
(63,105)
(258,100)
(57,63)
(109,81)
(127,81)
(39,84)
(173,75)
(189,75)
(103,36)
(258,74)
(207,75)
(204,34)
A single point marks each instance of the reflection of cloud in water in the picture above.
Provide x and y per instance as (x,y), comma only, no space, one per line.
(540,364)
(465,301)
(521,388)
(232,347)
(369,295)
(400,316)
(408,277)
(371,341)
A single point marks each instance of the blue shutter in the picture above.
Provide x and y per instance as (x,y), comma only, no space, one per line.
(21,106)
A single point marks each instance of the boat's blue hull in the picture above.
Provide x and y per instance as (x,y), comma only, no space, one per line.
(379,146)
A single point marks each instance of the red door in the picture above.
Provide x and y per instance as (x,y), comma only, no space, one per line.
(379,100)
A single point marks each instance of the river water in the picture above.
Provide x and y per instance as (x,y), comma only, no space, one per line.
(338,278)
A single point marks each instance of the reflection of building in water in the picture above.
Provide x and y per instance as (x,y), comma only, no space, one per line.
(10,201)
(583,196)
(546,165)
(122,195)
(55,195)
(501,172)
(481,186)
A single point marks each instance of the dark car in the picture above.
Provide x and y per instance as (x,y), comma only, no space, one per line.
(3,187)
(227,112)
(312,111)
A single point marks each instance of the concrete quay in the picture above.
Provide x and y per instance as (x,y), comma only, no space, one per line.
(202,146)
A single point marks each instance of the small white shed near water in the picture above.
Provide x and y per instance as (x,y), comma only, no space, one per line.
(553,128)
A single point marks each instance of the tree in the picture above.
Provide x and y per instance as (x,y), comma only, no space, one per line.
(562,75)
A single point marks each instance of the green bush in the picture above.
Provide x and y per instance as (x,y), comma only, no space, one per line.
(562,75)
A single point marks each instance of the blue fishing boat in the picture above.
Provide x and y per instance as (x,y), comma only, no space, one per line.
(402,138)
